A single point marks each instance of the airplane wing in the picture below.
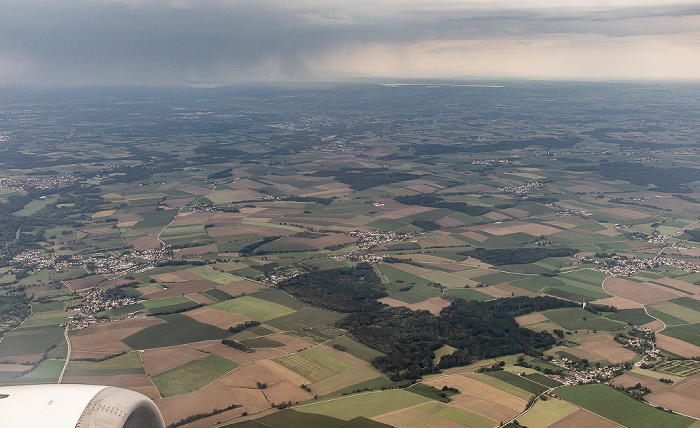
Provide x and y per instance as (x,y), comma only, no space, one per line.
(76,406)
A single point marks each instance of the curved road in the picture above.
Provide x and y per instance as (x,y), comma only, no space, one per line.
(644,307)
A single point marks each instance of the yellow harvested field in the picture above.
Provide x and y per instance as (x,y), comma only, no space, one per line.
(619,303)
(236,288)
(480,398)
(677,346)
(199,298)
(215,317)
(531,319)
(630,379)
(105,213)
(655,325)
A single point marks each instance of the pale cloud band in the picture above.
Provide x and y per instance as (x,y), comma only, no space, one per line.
(139,42)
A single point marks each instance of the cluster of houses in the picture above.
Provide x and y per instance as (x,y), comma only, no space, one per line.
(523,189)
(129,262)
(95,300)
(375,237)
(39,182)
(622,266)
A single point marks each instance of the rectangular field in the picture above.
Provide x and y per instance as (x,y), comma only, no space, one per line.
(253,308)
(580,319)
(618,407)
(129,363)
(313,364)
(177,330)
(366,405)
(193,375)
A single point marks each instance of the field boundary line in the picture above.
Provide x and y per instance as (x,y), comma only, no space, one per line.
(643,306)
(65,365)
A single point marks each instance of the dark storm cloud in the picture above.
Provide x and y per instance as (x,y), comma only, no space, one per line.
(172,42)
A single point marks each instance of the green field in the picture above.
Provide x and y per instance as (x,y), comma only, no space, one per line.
(48,371)
(216,295)
(356,349)
(272,225)
(468,294)
(677,311)
(620,408)
(313,364)
(44,320)
(456,415)
(167,301)
(416,293)
(397,275)
(289,418)
(366,405)
(254,308)
(214,275)
(305,318)
(177,330)
(580,319)
(129,363)
(519,381)
(545,413)
(633,316)
(33,340)
(666,318)
(498,278)
(543,380)
(689,333)
(193,375)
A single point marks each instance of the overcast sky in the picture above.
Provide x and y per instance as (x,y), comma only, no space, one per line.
(155,42)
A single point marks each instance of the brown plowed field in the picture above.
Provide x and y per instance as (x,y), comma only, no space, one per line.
(480,398)
(291,343)
(630,379)
(682,397)
(180,288)
(106,337)
(145,242)
(13,368)
(135,382)
(177,276)
(584,418)
(432,305)
(508,288)
(475,236)
(213,396)
(286,391)
(242,286)
(216,318)
(677,346)
(159,360)
(608,349)
(531,319)
(655,325)
(640,292)
(85,283)
(682,285)
(26,358)
(264,371)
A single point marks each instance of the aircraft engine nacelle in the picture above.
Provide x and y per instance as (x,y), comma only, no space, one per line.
(76,406)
